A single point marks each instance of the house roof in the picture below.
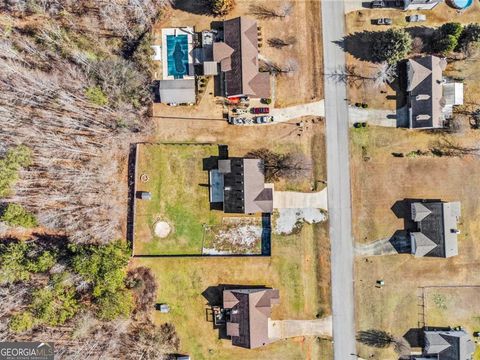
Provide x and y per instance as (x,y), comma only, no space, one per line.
(244,186)
(248,325)
(436,233)
(449,345)
(178,91)
(425,88)
(243,78)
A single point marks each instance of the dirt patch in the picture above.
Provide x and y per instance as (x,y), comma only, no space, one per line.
(240,239)
(162,229)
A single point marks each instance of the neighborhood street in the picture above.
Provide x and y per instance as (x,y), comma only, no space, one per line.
(338,174)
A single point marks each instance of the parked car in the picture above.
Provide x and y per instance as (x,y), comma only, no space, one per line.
(416,18)
(239,111)
(260,110)
(383,21)
(263,119)
(377,4)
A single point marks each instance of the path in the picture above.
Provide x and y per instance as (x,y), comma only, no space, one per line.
(379,117)
(338,174)
(388,246)
(282,329)
(300,200)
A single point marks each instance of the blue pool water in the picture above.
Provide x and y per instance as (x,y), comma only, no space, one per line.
(462,4)
(177,55)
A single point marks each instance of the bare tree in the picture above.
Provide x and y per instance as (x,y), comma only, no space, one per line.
(289,68)
(278,43)
(375,338)
(276,166)
(445,146)
(263,12)
(142,281)
(386,74)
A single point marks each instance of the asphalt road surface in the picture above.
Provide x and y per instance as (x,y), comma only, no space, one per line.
(338,176)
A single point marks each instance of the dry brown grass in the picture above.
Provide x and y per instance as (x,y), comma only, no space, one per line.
(376,185)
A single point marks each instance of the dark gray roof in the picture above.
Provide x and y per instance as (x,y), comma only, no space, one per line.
(178,91)
(244,186)
(425,91)
(436,233)
(449,345)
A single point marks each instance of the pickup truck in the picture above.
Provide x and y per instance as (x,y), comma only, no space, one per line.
(416,18)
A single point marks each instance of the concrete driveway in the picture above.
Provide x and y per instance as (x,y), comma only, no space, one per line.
(300,200)
(378,117)
(283,329)
(293,112)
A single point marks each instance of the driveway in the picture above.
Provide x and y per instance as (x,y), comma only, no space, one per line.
(293,112)
(282,329)
(300,200)
(377,117)
(338,175)
(399,244)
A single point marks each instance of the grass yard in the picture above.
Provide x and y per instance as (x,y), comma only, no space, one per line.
(294,268)
(179,189)
(379,180)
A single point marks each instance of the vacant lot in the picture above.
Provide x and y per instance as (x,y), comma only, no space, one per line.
(174,175)
(303,25)
(379,180)
(363,88)
(295,268)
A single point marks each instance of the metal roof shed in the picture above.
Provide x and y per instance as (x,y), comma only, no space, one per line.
(178,91)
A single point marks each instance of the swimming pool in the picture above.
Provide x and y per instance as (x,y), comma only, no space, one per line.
(177,55)
(461,4)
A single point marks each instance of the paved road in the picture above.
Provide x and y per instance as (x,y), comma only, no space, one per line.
(338,174)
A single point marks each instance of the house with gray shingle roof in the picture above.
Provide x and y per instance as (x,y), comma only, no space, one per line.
(430,97)
(446,344)
(239,184)
(436,228)
(247,313)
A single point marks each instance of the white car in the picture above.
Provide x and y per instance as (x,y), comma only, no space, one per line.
(416,18)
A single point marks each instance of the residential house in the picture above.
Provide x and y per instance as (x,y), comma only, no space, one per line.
(436,228)
(238,184)
(446,344)
(420,4)
(237,55)
(247,312)
(430,97)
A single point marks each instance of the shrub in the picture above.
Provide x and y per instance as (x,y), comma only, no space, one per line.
(16,215)
(470,34)
(21,322)
(96,95)
(391,45)
(446,44)
(114,305)
(222,7)
(445,39)
(55,304)
(267,101)
(15,159)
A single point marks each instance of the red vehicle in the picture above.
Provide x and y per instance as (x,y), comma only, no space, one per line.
(260,110)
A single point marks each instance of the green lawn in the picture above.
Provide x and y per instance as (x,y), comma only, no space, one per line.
(179,189)
(292,268)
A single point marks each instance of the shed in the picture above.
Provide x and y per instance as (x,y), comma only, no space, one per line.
(178,91)
(144,195)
